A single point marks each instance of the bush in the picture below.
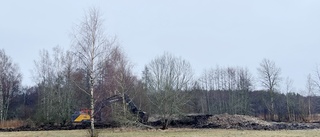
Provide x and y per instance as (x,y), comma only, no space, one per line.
(11,124)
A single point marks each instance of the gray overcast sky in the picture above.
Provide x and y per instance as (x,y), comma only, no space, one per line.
(205,32)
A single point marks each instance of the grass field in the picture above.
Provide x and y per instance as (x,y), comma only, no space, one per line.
(167,133)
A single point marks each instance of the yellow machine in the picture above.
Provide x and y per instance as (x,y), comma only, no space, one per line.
(82,116)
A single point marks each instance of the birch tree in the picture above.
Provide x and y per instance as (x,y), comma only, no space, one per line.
(207,85)
(316,78)
(310,89)
(90,44)
(289,90)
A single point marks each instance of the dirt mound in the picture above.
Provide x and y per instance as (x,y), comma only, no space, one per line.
(227,121)
(235,121)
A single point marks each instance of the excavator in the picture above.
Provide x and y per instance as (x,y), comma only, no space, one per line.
(82,117)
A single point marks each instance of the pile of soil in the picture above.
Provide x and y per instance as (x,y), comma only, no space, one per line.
(235,121)
(243,122)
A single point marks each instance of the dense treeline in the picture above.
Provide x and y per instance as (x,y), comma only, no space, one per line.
(290,107)
(96,68)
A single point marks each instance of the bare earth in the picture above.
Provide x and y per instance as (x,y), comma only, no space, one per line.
(167,133)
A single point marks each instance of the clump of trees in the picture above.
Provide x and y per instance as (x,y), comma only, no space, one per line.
(237,80)
(55,89)
(10,80)
(167,78)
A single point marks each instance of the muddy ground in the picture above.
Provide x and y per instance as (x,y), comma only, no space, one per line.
(223,121)
(241,122)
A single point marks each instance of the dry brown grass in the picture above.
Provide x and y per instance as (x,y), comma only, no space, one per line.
(167,133)
(11,124)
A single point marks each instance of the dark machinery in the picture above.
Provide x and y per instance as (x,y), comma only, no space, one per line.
(83,116)
(143,118)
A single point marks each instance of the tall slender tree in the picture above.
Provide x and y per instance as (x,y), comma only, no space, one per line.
(90,44)
(310,89)
(289,89)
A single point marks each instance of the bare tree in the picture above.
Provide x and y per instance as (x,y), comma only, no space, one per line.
(288,89)
(123,75)
(116,78)
(168,78)
(10,79)
(244,85)
(244,79)
(270,79)
(91,45)
(310,89)
(207,84)
(316,78)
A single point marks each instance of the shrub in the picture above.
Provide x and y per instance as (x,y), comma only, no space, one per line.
(11,124)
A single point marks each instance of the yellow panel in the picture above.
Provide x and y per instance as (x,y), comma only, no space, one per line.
(82,117)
